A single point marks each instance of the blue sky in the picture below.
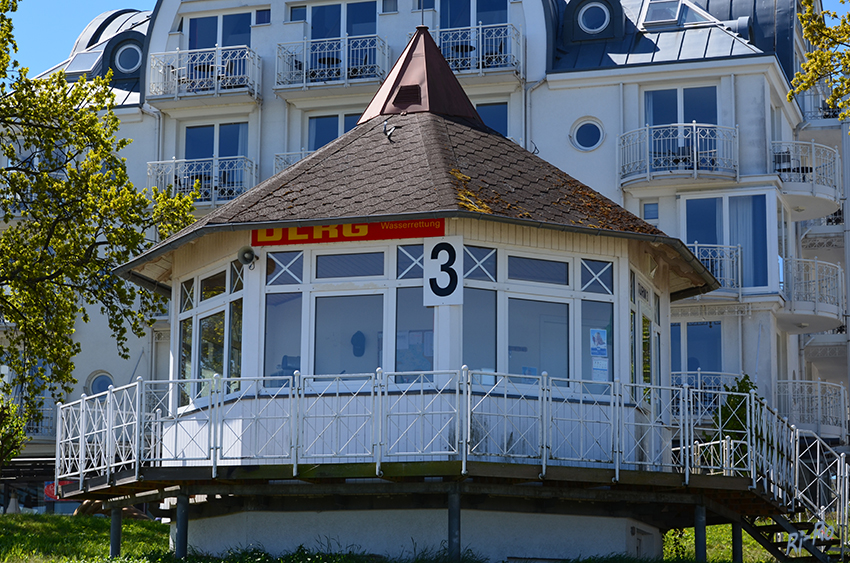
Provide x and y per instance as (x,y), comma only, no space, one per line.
(46,29)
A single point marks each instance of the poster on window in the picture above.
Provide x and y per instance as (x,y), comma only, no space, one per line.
(600,369)
(598,343)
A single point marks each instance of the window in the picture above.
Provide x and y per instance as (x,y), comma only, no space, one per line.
(217,155)
(349,265)
(702,347)
(414,341)
(424,4)
(458,13)
(262,17)
(128,58)
(538,337)
(681,105)
(650,213)
(543,271)
(349,334)
(479,263)
(99,382)
(661,12)
(731,221)
(323,129)
(298,13)
(210,331)
(389,6)
(587,134)
(479,329)
(494,116)
(229,30)
(593,17)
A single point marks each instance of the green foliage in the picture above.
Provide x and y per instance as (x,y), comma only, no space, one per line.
(731,417)
(70,215)
(12,426)
(829,61)
(679,545)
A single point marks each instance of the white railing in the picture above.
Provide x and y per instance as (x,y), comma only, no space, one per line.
(205,71)
(813,281)
(450,415)
(813,403)
(834,220)
(331,60)
(481,48)
(807,163)
(813,103)
(724,263)
(45,426)
(218,179)
(693,149)
(284,160)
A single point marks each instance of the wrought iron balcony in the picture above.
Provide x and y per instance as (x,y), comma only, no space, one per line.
(810,175)
(724,263)
(813,103)
(45,428)
(481,48)
(201,72)
(814,405)
(331,61)
(676,150)
(814,295)
(218,179)
(284,160)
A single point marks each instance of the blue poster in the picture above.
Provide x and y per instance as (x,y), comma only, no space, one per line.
(599,342)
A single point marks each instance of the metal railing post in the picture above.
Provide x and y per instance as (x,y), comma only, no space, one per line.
(751,437)
(83,422)
(616,426)
(479,50)
(140,405)
(378,429)
(647,156)
(109,430)
(544,401)
(296,423)
(694,148)
(467,423)
(685,428)
(737,156)
(814,165)
(59,457)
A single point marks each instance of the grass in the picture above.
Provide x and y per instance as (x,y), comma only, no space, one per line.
(63,539)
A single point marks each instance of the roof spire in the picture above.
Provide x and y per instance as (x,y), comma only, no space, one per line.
(421,81)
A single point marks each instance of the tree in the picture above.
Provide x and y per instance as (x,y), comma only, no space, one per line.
(12,434)
(828,62)
(68,216)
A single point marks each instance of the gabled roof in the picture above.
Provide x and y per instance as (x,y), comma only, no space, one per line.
(424,164)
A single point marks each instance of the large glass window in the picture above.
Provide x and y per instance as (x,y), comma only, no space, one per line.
(538,337)
(494,116)
(705,220)
(414,341)
(479,329)
(283,335)
(349,334)
(323,129)
(235,31)
(681,105)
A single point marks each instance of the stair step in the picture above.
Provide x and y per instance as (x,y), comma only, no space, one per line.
(776,528)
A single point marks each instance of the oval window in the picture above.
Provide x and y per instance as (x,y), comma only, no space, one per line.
(593,17)
(128,58)
(100,383)
(587,135)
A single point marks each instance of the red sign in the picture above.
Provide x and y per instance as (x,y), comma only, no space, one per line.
(386,230)
(50,489)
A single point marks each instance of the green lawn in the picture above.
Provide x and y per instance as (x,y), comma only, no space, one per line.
(62,539)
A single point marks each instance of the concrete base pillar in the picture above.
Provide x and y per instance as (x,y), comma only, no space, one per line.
(454,525)
(737,543)
(115,533)
(181,538)
(700,551)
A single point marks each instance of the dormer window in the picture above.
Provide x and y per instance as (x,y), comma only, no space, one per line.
(594,17)
(662,12)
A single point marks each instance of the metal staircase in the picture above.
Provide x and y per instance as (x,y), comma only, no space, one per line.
(805,541)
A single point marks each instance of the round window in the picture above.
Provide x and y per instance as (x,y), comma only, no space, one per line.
(128,58)
(593,17)
(587,135)
(100,383)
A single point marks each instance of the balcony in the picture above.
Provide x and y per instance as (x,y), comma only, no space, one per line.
(810,175)
(724,263)
(45,428)
(814,296)
(328,62)
(482,49)
(219,179)
(284,160)
(827,351)
(816,406)
(205,74)
(813,104)
(824,237)
(678,150)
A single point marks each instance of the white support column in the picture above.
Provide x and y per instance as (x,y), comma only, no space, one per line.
(448,337)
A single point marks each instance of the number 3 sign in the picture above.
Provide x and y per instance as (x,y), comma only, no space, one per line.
(443,267)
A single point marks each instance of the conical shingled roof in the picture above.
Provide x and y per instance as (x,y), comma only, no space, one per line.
(422,164)
(421,81)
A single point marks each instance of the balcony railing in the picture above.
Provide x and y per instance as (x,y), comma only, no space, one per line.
(379,418)
(834,220)
(219,179)
(284,160)
(687,149)
(813,103)
(338,61)
(205,71)
(808,163)
(813,281)
(45,427)
(481,48)
(813,403)
(724,263)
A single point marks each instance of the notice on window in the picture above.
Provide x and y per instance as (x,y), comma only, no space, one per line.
(600,369)
(598,343)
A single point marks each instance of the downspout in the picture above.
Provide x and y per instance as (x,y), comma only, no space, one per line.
(526,114)
(155,113)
